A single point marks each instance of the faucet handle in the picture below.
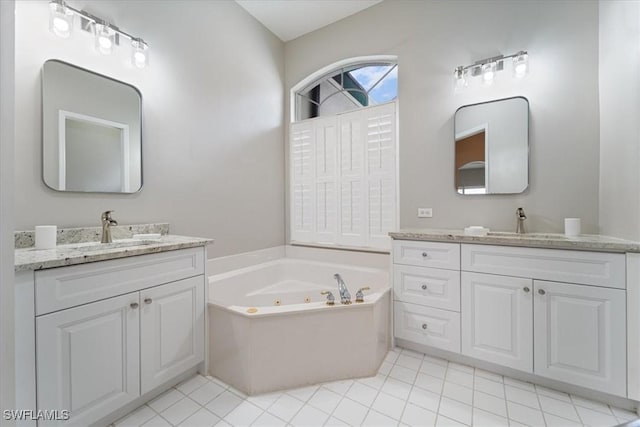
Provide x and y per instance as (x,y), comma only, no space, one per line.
(331,300)
(106,215)
(360,293)
(520,213)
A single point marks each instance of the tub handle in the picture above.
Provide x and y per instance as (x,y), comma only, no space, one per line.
(331,300)
(360,293)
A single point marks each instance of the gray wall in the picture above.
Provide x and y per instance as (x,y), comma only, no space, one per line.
(7,377)
(619,119)
(212,104)
(431,38)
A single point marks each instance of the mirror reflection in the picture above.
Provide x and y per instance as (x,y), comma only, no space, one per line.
(492,147)
(92,131)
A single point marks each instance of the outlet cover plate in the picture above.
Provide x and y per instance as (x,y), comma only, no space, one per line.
(425,212)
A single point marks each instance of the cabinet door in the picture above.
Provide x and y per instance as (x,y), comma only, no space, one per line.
(172,330)
(580,335)
(88,359)
(497,319)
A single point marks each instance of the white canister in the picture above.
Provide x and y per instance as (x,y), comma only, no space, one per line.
(46,236)
(572,226)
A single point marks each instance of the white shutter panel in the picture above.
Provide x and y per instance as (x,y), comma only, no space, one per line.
(351,211)
(326,136)
(381,182)
(302,182)
(343,178)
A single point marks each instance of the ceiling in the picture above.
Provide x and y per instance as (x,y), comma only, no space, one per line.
(289,19)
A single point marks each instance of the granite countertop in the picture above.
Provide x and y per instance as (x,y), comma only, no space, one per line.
(81,253)
(82,245)
(583,242)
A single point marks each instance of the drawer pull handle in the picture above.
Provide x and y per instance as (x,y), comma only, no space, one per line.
(424,254)
(424,326)
(541,291)
(134,305)
(526,289)
(148,300)
(424,287)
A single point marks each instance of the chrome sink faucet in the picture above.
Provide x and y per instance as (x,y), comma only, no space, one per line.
(107,222)
(345,296)
(520,218)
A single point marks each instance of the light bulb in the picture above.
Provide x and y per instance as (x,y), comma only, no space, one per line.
(105,43)
(60,19)
(140,53)
(460,78)
(105,38)
(488,72)
(520,64)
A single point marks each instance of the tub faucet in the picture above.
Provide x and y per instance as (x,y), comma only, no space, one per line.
(345,296)
(520,218)
(107,222)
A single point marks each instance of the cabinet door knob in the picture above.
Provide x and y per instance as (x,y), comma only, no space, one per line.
(424,254)
(148,300)
(424,287)
(541,291)
(526,289)
(424,326)
(134,305)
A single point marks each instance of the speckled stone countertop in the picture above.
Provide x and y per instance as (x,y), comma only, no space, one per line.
(91,250)
(583,242)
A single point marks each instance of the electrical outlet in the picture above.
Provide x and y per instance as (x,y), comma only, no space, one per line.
(425,212)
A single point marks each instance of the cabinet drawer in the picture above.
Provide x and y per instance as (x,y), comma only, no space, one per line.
(427,254)
(64,287)
(433,287)
(427,326)
(588,268)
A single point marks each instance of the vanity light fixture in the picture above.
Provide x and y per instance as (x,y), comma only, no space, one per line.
(60,19)
(489,67)
(107,36)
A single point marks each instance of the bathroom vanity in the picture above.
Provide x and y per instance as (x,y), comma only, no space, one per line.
(559,309)
(103,327)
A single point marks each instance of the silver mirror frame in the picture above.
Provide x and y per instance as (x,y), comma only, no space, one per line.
(141,117)
(526,189)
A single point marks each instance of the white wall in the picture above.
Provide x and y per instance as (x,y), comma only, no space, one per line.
(620,118)
(430,40)
(7,378)
(212,105)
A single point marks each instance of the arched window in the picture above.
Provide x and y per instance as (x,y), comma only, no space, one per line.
(347,88)
(343,151)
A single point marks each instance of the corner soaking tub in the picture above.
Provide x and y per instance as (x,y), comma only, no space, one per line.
(270,328)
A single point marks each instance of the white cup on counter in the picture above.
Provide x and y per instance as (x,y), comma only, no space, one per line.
(572,226)
(46,236)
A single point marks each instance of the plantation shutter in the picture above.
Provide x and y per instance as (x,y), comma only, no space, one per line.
(343,178)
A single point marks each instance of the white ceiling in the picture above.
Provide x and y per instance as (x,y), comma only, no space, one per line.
(289,19)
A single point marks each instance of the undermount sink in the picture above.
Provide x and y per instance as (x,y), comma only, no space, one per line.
(97,246)
(526,235)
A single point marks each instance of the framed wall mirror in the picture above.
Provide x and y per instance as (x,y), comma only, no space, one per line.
(91,131)
(492,147)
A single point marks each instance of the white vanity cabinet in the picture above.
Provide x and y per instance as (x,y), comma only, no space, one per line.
(427,293)
(88,358)
(580,335)
(497,319)
(171,331)
(555,313)
(109,332)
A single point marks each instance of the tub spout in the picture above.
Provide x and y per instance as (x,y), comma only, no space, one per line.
(345,296)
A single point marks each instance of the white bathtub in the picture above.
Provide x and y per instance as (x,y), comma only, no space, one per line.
(265,337)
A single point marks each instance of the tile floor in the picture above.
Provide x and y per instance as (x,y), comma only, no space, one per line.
(410,389)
